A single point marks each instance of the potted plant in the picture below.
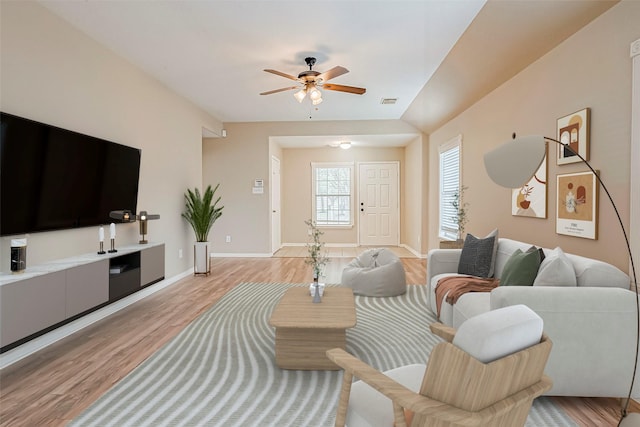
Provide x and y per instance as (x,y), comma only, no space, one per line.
(316,259)
(461,207)
(201,214)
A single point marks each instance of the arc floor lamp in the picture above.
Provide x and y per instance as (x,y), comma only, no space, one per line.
(511,165)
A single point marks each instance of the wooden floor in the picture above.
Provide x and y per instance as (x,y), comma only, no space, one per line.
(56,384)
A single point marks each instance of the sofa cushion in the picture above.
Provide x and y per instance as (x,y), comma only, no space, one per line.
(368,406)
(591,272)
(498,333)
(556,270)
(470,305)
(522,268)
(477,256)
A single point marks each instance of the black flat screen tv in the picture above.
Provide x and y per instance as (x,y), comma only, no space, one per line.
(54,179)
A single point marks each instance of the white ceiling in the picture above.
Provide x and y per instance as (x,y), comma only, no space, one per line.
(214,52)
(437,57)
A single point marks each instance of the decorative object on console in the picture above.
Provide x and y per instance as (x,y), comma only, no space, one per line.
(101,241)
(577,211)
(18,255)
(112,234)
(143,218)
(201,213)
(573,137)
(128,216)
(513,163)
(317,259)
(123,215)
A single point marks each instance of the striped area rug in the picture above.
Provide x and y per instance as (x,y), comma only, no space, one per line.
(220,370)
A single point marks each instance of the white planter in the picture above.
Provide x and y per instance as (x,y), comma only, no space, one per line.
(201,258)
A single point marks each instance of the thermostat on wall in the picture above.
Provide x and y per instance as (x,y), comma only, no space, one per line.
(258,186)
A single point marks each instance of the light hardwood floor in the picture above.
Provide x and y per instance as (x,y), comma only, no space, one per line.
(56,384)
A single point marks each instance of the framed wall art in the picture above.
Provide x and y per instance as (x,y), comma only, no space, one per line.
(577,211)
(573,131)
(531,199)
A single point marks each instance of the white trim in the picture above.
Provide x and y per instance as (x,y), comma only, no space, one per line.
(241,255)
(413,251)
(634,171)
(455,142)
(352,195)
(30,347)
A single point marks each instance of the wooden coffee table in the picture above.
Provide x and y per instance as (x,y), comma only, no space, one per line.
(305,331)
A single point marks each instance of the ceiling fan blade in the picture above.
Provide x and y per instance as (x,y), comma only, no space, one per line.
(280,90)
(341,88)
(280,73)
(332,73)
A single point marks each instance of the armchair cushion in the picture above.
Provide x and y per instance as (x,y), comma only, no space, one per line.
(498,333)
(368,407)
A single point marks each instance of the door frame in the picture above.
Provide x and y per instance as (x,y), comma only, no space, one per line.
(399,199)
(276,196)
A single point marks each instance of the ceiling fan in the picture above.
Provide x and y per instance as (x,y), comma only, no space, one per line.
(313,80)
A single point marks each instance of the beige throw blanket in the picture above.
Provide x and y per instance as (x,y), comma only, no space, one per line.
(456,286)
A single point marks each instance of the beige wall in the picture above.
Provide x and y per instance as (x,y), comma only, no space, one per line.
(245,155)
(590,69)
(415,220)
(296,188)
(52,73)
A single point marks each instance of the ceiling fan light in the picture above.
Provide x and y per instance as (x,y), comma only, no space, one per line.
(345,145)
(316,101)
(315,94)
(299,95)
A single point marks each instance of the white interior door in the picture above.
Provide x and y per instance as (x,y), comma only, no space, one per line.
(275,205)
(378,204)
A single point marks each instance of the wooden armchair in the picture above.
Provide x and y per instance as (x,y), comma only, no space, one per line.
(457,389)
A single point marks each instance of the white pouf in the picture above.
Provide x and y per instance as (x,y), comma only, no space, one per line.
(375,273)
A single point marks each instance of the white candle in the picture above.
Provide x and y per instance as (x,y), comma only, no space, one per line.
(112,229)
(101,234)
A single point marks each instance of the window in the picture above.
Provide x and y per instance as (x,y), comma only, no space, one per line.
(332,185)
(449,185)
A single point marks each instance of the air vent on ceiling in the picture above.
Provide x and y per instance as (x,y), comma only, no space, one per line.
(384,101)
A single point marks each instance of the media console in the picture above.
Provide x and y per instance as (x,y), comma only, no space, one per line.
(50,295)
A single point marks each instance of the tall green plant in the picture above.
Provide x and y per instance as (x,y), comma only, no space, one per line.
(461,208)
(201,213)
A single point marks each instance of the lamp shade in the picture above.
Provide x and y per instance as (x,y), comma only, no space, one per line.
(513,163)
(299,95)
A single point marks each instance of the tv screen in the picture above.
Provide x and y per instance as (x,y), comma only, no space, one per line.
(53,179)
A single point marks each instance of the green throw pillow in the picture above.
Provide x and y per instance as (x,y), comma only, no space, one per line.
(521,268)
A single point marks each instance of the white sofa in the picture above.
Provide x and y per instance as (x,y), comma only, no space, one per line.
(592,325)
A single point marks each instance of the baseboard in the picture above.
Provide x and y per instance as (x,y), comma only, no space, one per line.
(240,255)
(43,341)
(327,245)
(413,251)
